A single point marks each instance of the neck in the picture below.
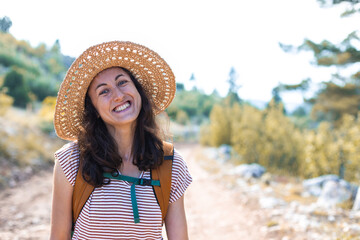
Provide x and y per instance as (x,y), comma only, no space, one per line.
(124,139)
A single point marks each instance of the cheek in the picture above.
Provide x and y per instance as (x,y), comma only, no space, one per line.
(96,101)
(139,102)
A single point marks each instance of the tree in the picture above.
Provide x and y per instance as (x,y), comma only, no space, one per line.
(232,96)
(180,87)
(303,86)
(353,9)
(196,104)
(192,81)
(5,24)
(341,94)
(17,88)
(335,101)
(276,94)
(56,47)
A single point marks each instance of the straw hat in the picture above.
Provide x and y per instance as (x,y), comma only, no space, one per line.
(152,72)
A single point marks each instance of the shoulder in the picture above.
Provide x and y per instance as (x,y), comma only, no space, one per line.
(68,158)
(70,149)
(179,166)
(181,177)
(178,158)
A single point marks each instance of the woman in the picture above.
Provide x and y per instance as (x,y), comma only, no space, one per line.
(106,106)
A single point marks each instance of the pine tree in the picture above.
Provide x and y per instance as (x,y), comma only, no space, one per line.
(341,94)
(5,24)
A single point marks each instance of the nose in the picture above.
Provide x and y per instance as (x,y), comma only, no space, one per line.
(118,95)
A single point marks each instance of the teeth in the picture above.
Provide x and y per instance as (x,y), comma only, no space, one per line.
(122,107)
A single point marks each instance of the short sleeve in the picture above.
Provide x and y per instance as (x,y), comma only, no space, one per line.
(68,157)
(180,178)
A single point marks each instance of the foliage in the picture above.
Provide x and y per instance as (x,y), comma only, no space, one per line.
(354,6)
(220,127)
(182,117)
(232,97)
(282,147)
(10,58)
(205,135)
(42,69)
(42,88)
(303,87)
(5,103)
(334,150)
(248,130)
(331,148)
(340,95)
(334,101)
(21,141)
(46,114)
(233,85)
(16,87)
(191,106)
(267,137)
(270,138)
(5,24)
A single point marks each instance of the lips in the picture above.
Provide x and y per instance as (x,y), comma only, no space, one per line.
(122,107)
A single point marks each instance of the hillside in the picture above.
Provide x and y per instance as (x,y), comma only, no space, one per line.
(25,149)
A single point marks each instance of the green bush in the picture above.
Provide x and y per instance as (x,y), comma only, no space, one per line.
(42,89)
(182,117)
(9,58)
(194,103)
(17,88)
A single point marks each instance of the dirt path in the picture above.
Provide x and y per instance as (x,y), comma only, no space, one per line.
(25,210)
(213,210)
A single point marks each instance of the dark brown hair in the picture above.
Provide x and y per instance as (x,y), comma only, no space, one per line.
(99,151)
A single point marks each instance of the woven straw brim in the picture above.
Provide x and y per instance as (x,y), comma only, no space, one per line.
(152,72)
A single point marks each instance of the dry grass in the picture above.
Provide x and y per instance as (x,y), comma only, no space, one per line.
(272,224)
(23,145)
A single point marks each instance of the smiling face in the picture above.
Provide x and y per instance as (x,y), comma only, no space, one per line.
(115,97)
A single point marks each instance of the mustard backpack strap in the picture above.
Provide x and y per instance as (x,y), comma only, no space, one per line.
(163,173)
(82,191)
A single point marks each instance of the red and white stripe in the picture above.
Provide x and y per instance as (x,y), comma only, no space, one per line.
(108,212)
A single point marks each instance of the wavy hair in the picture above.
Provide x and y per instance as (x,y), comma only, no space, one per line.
(99,151)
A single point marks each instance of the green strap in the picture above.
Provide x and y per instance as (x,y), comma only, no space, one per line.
(134,181)
(134,204)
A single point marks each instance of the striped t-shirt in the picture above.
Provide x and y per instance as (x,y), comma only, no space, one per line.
(108,213)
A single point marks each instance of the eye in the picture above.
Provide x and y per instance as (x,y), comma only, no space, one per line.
(104,91)
(122,82)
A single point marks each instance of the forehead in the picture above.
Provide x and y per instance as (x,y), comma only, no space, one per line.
(107,75)
(110,73)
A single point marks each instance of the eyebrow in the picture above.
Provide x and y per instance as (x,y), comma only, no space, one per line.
(120,75)
(100,85)
(104,84)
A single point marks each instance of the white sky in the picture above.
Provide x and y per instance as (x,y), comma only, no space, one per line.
(206,37)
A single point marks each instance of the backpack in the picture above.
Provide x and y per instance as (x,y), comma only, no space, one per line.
(162,174)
